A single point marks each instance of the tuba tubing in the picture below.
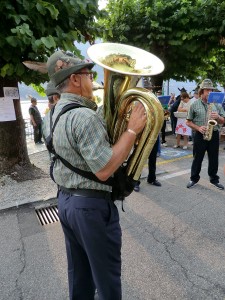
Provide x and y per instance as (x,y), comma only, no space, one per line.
(121,94)
(146,140)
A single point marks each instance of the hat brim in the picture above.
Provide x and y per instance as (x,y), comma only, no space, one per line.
(208,88)
(62,74)
(51,91)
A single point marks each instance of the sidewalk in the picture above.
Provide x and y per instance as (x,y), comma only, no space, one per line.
(13,193)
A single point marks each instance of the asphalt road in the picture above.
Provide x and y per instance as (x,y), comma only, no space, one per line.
(173,242)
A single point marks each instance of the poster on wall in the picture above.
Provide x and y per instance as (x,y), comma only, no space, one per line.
(11,92)
(7,110)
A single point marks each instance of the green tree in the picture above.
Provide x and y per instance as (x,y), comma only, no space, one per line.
(32,30)
(186,34)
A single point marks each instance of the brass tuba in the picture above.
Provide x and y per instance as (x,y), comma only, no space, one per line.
(124,65)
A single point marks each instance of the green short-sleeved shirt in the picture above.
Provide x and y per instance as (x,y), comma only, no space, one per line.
(80,137)
(198,113)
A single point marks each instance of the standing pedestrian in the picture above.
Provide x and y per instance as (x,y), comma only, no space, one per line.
(181,128)
(151,167)
(88,216)
(53,96)
(36,120)
(163,129)
(199,114)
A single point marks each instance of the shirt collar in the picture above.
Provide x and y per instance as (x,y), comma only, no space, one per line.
(65,97)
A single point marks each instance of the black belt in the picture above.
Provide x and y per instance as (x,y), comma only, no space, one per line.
(87,193)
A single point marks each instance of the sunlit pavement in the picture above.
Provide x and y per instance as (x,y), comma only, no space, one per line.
(34,148)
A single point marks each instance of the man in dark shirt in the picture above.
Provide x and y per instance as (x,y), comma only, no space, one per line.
(36,120)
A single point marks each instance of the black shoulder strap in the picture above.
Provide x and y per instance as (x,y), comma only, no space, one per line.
(83,173)
(86,174)
(63,111)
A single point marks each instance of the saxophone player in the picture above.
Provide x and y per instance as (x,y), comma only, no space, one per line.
(197,116)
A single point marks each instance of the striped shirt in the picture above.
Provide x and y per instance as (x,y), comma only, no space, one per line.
(198,113)
(80,137)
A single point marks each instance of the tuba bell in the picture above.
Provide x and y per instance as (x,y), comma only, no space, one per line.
(124,65)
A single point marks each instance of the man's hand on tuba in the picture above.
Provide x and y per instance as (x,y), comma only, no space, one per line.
(138,119)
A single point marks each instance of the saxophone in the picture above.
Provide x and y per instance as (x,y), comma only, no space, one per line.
(124,65)
(209,124)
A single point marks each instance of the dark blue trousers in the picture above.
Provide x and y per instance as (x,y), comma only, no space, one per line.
(152,162)
(93,244)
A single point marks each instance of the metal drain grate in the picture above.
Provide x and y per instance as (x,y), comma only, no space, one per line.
(47,215)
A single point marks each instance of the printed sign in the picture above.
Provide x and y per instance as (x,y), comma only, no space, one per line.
(216,97)
(11,92)
(164,99)
(7,110)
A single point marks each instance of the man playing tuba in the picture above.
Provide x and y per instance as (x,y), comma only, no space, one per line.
(88,216)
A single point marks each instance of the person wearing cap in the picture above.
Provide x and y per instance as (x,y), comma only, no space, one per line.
(36,121)
(151,178)
(195,96)
(88,216)
(53,96)
(197,119)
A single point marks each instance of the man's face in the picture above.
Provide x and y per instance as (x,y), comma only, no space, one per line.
(206,93)
(85,77)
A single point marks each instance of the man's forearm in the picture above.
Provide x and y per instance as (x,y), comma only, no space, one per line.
(220,120)
(32,120)
(121,150)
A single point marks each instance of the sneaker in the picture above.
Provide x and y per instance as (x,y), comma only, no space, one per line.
(39,142)
(137,188)
(164,144)
(176,146)
(185,147)
(191,184)
(155,182)
(218,185)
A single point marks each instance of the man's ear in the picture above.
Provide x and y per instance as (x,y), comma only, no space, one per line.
(75,80)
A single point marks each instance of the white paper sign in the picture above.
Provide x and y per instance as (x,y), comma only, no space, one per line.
(11,92)
(7,110)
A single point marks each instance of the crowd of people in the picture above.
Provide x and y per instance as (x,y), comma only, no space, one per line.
(88,216)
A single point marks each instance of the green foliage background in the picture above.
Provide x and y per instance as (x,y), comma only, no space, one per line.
(32,30)
(188,35)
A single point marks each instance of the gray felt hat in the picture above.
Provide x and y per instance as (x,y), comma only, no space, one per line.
(62,64)
(51,89)
(207,84)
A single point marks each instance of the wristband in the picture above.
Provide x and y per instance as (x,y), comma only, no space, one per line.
(132,132)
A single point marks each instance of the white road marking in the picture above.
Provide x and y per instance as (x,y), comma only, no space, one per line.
(175,174)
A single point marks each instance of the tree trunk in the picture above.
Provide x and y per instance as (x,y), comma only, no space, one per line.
(13,147)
